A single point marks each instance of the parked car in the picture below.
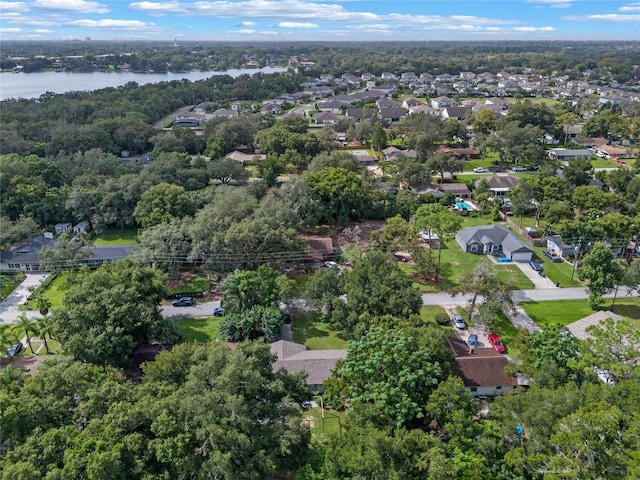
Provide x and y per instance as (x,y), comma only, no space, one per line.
(218,311)
(329,264)
(536,266)
(458,321)
(552,256)
(472,341)
(495,342)
(183,302)
(15,349)
(519,168)
(480,170)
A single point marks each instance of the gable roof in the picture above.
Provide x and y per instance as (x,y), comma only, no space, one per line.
(579,327)
(483,368)
(500,182)
(294,358)
(496,234)
(26,251)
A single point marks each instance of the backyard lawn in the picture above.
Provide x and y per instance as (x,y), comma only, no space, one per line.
(200,329)
(116,236)
(563,312)
(315,334)
(332,423)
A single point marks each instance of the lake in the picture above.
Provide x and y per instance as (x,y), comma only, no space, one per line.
(32,85)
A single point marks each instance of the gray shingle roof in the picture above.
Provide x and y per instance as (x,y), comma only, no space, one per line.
(496,234)
(295,358)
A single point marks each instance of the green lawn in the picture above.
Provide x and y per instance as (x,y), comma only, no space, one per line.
(194,285)
(597,162)
(117,236)
(55,291)
(332,423)
(563,312)
(513,276)
(9,282)
(200,329)
(547,101)
(315,334)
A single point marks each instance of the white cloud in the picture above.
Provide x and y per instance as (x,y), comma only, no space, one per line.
(297,25)
(632,7)
(42,30)
(533,29)
(112,24)
(606,17)
(295,9)
(13,7)
(245,31)
(78,6)
(248,24)
(10,30)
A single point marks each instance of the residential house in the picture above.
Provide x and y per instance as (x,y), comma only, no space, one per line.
(295,358)
(25,255)
(365,158)
(189,120)
(325,118)
(457,113)
(64,227)
(590,141)
(272,108)
(424,108)
(392,153)
(461,153)
(204,107)
(245,158)
(224,113)
(332,106)
(570,131)
(579,327)
(107,253)
(499,185)
(556,245)
(612,151)
(443,102)
(457,189)
(482,371)
(411,102)
(393,115)
(82,227)
(319,247)
(490,239)
(568,154)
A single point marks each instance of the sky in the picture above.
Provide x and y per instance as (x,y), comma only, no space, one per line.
(320,20)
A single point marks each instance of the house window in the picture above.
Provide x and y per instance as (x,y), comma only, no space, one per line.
(498,388)
(474,389)
(473,248)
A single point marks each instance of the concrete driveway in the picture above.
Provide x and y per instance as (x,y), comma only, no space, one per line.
(9,307)
(539,282)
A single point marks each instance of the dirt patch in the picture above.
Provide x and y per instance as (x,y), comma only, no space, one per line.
(358,232)
(184,276)
(454,264)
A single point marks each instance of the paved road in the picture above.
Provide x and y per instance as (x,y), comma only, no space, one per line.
(519,296)
(204,309)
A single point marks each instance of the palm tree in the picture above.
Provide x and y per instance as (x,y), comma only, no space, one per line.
(7,336)
(11,377)
(45,326)
(25,326)
(43,304)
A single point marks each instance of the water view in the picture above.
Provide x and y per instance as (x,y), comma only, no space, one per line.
(32,85)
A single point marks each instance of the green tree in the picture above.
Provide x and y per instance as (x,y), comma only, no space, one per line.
(599,269)
(227,171)
(67,253)
(441,163)
(166,245)
(375,287)
(44,327)
(578,172)
(379,139)
(437,219)
(107,312)
(338,194)
(251,324)
(25,326)
(324,286)
(245,289)
(389,369)
(613,346)
(161,203)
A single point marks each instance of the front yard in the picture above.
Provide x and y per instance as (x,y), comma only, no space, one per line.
(117,236)
(199,329)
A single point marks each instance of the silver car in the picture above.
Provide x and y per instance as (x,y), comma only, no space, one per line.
(458,321)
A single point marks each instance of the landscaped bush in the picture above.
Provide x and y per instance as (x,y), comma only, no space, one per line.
(442,319)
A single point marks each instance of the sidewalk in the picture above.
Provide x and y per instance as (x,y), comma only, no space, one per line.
(9,307)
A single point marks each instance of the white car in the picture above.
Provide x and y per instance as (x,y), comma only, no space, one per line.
(329,264)
(519,168)
(480,170)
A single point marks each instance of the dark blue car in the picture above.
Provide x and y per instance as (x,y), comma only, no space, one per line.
(183,302)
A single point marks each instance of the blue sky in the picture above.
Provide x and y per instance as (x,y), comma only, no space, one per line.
(292,20)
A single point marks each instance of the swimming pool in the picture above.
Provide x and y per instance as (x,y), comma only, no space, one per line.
(462,205)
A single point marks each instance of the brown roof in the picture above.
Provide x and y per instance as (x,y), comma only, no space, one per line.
(482,368)
(455,188)
(319,247)
(294,358)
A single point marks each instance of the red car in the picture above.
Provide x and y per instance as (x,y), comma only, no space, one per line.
(495,342)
